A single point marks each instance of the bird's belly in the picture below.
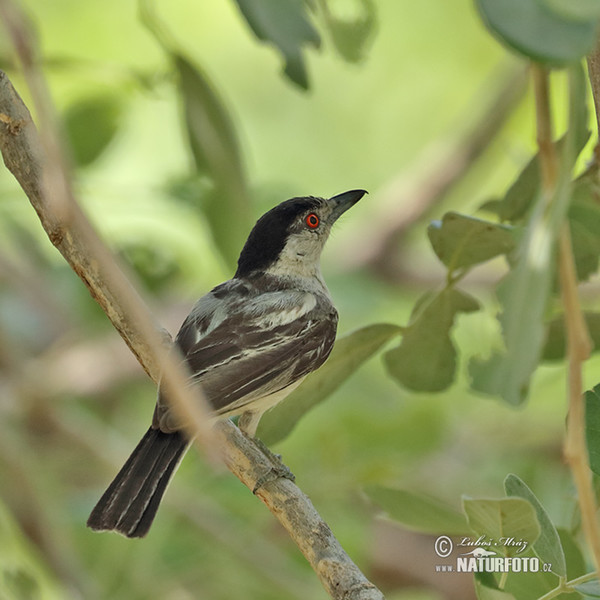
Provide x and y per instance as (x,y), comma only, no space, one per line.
(261,405)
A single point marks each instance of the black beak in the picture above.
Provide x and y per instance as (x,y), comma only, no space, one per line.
(342,202)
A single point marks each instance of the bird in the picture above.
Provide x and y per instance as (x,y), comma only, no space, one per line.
(248,343)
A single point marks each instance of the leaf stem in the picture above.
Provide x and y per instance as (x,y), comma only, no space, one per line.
(503,579)
(545,137)
(578,349)
(578,341)
(568,586)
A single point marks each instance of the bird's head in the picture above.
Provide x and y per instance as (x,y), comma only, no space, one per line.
(288,239)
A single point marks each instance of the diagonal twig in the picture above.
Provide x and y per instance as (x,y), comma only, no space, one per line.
(75,237)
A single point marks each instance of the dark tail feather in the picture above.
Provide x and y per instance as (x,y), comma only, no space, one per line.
(132,499)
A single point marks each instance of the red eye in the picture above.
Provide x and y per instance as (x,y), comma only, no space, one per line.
(312,220)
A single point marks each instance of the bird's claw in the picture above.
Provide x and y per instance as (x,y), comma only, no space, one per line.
(277,470)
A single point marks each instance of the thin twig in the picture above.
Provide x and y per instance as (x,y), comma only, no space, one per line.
(578,341)
(82,248)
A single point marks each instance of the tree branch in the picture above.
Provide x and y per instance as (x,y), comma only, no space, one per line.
(39,166)
(411,196)
(79,243)
(578,340)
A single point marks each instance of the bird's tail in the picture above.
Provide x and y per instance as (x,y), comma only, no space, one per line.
(131,500)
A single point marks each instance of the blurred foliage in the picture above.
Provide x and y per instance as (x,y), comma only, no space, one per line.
(285,24)
(23,576)
(179,140)
(541,30)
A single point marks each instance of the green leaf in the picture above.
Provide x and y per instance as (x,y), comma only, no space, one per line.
(574,558)
(532,585)
(212,135)
(216,152)
(520,195)
(578,10)
(349,352)
(592,427)
(351,35)
(523,295)
(547,546)
(591,589)
(524,292)
(532,29)
(584,219)
(502,518)
(460,241)
(419,511)
(425,360)
(556,339)
(91,124)
(285,24)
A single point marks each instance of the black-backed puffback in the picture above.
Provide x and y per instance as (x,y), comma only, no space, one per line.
(248,343)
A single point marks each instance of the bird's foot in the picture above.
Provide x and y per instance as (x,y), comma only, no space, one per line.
(278,468)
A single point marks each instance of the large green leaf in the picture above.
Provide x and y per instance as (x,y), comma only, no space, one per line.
(548,546)
(216,152)
(592,427)
(425,360)
(503,519)
(347,355)
(91,123)
(536,31)
(419,511)
(460,241)
(285,24)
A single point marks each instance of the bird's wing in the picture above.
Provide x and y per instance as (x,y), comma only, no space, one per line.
(249,348)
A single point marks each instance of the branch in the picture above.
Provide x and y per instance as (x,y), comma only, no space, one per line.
(578,341)
(339,575)
(440,167)
(77,240)
(38,164)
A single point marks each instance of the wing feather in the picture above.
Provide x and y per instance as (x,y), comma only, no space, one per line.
(252,347)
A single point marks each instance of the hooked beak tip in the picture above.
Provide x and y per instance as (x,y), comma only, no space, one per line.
(342,202)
